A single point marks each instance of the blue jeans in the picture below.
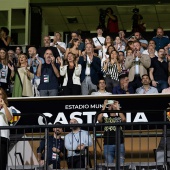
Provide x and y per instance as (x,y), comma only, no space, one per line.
(109,153)
(162,84)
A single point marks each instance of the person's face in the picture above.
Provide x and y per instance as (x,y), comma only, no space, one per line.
(121,56)
(74,36)
(137,35)
(108,39)
(22,59)
(160,32)
(117,39)
(99,31)
(10,54)
(70,57)
(89,48)
(58,131)
(102,85)
(48,54)
(18,51)
(114,54)
(87,41)
(161,53)
(46,41)
(2,54)
(137,46)
(31,52)
(152,43)
(129,52)
(58,36)
(151,49)
(145,80)
(110,49)
(77,43)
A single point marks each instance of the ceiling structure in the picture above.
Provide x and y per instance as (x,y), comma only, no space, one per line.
(55,13)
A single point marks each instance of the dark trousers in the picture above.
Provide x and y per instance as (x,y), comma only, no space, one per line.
(76,162)
(4,143)
(136,83)
(73,90)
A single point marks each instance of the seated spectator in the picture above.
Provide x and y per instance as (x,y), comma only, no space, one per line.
(146,88)
(144,43)
(111,70)
(49,74)
(71,73)
(101,89)
(121,60)
(73,48)
(23,77)
(167,90)
(123,87)
(122,38)
(75,142)
(159,71)
(160,40)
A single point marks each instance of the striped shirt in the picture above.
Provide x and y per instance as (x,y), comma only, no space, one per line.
(112,71)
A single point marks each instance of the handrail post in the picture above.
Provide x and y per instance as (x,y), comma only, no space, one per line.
(165,140)
(94,142)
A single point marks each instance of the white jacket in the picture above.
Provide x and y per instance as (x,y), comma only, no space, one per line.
(76,75)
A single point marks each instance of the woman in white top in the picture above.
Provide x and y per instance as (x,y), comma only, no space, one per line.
(71,73)
(118,44)
(5,117)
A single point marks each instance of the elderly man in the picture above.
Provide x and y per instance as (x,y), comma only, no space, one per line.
(76,142)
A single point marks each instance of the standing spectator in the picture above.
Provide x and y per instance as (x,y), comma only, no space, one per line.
(12,58)
(160,40)
(49,74)
(110,131)
(101,89)
(5,39)
(123,87)
(6,72)
(71,73)
(122,38)
(55,148)
(18,51)
(143,42)
(73,48)
(99,42)
(91,70)
(118,44)
(33,62)
(76,35)
(111,70)
(146,88)
(159,71)
(137,64)
(112,23)
(121,60)
(22,79)
(5,117)
(76,142)
(41,50)
(61,46)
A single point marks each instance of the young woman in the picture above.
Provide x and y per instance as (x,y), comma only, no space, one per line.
(5,117)
(118,44)
(73,49)
(6,72)
(23,77)
(71,73)
(111,70)
(5,39)
(110,131)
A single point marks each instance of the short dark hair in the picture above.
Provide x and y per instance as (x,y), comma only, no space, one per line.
(146,75)
(123,75)
(6,30)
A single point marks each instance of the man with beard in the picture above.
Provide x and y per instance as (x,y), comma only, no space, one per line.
(76,142)
(55,149)
(146,88)
(49,74)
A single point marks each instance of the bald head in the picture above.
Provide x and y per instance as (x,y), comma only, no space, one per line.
(32,52)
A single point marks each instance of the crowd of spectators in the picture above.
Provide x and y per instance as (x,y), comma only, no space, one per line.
(127,65)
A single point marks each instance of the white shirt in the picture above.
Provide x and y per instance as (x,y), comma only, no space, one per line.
(87,72)
(97,43)
(137,66)
(146,52)
(4,122)
(98,93)
(62,44)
